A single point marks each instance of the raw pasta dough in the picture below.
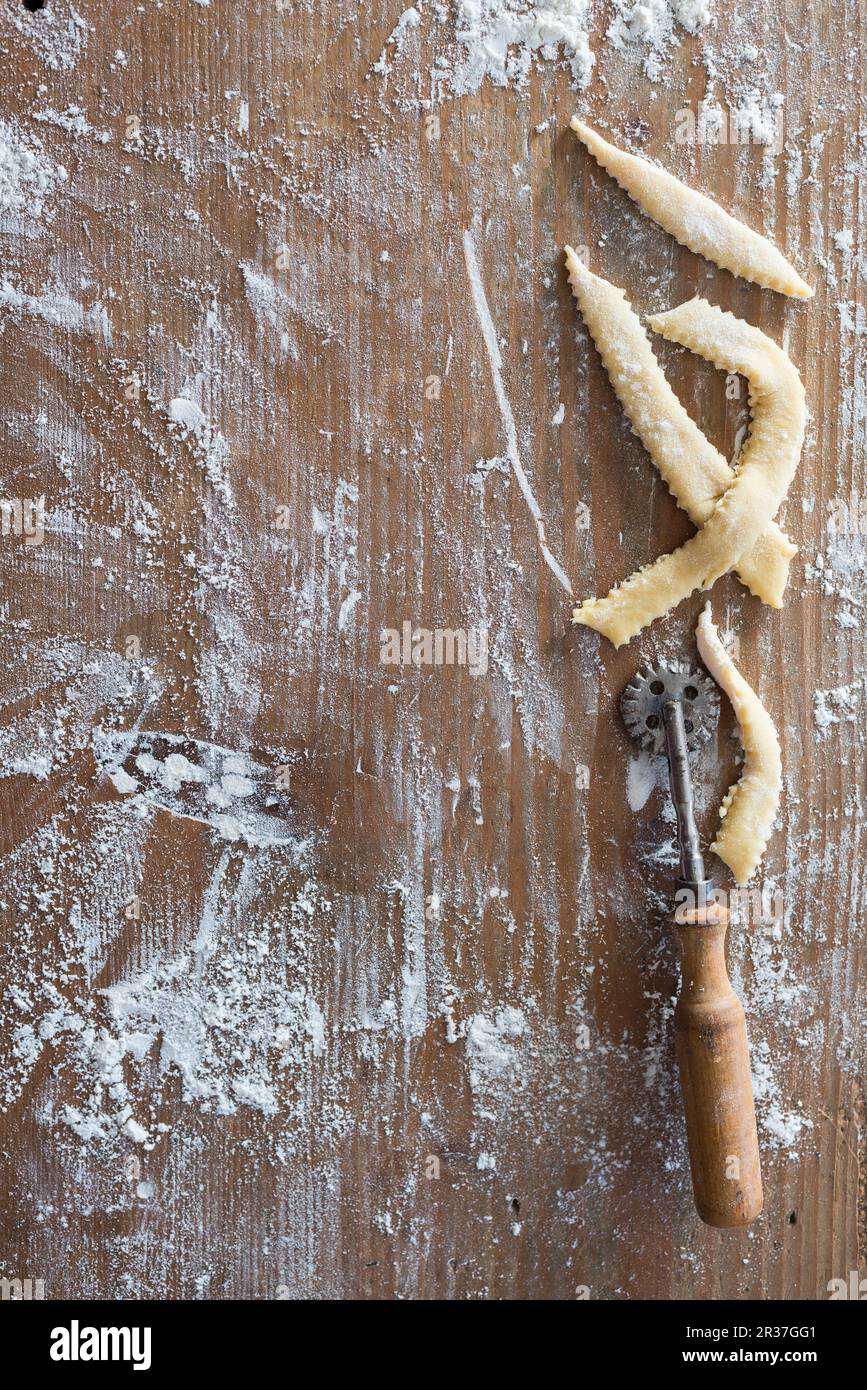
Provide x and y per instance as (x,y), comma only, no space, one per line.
(694,471)
(750,806)
(694,220)
(768,464)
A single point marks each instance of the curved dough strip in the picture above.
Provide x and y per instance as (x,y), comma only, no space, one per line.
(695,472)
(768,464)
(694,220)
(750,805)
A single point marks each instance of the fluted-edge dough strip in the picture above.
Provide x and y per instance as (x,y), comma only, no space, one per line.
(695,220)
(750,806)
(768,464)
(695,472)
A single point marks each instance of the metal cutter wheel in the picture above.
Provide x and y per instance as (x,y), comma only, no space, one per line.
(674,712)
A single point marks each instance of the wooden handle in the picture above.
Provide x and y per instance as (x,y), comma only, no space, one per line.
(714,1060)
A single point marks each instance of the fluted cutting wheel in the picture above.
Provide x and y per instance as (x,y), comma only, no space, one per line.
(642,700)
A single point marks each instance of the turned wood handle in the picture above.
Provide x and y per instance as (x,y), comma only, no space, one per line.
(713,1055)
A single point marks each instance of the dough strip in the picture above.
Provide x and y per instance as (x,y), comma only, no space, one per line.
(695,220)
(694,471)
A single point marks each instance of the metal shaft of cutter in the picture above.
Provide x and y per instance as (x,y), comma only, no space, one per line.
(692,863)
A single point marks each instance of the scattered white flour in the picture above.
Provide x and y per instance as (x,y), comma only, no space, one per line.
(783,1128)
(216,786)
(73,120)
(844,240)
(54,307)
(209,444)
(268,301)
(502,40)
(123,782)
(837,706)
(493,1046)
(27,177)
(183,411)
(57,33)
(410,19)
(649,25)
(218,1015)
(840,571)
(347,608)
(642,776)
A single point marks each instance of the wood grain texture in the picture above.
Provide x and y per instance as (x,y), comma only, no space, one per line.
(421,786)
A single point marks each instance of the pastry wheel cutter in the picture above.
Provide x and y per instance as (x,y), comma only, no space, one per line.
(675,712)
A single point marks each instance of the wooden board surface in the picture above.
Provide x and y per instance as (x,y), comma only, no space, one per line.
(431,1055)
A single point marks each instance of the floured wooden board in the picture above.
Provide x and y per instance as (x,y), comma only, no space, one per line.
(287,345)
